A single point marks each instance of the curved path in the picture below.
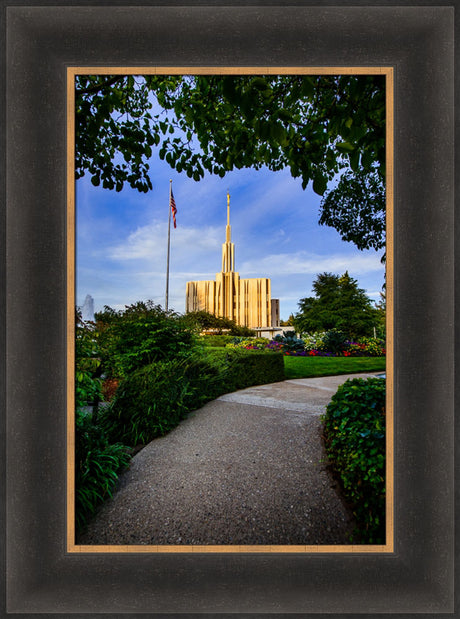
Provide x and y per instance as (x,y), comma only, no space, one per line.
(246,468)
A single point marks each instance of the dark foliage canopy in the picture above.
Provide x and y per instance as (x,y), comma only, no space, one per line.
(320,127)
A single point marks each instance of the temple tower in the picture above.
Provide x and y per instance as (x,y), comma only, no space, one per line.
(246,301)
(227,281)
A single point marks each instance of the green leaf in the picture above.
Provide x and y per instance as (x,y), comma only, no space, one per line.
(345,147)
(229,89)
(260,83)
(284,115)
(308,87)
(278,133)
(354,160)
(366,159)
(319,184)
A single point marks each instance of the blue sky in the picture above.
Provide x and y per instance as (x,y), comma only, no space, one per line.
(122,238)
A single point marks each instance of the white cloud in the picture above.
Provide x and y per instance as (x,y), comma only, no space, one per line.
(149,245)
(123,239)
(301,262)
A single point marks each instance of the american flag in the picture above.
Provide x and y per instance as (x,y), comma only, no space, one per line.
(172,204)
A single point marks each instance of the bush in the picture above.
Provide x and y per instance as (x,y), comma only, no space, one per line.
(374,347)
(204,381)
(354,430)
(204,321)
(152,400)
(334,341)
(290,342)
(249,343)
(216,340)
(366,347)
(313,341)
(240,368)
(109,388)
(87,364)
(148,403)
(139,335)
(97,463)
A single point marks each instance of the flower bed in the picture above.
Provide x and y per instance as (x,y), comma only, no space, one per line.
(313,345)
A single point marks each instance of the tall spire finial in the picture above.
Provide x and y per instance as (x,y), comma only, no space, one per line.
(228,208)
(228,256)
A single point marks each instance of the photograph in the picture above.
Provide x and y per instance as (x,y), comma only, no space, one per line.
(229,306)
(231,269)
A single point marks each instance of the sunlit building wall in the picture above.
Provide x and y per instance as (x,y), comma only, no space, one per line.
(246,301)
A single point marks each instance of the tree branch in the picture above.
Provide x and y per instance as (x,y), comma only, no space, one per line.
(98,87)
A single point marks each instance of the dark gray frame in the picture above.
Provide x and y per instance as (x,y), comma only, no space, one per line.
(41,42)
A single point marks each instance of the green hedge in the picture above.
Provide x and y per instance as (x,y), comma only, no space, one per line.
(154,399)
(216,340)
(244,368)
(354,430)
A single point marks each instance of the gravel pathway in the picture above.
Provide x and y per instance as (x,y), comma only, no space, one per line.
(247,468)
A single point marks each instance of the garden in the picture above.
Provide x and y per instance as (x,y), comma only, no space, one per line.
(141,370)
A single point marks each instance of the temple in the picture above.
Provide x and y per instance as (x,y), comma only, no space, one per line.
(246,301)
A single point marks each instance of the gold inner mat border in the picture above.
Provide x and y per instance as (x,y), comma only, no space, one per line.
(73,71)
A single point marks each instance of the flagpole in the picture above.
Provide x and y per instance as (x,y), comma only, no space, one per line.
(169,243)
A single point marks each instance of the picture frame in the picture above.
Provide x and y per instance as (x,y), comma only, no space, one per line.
(387,75)
(41,42)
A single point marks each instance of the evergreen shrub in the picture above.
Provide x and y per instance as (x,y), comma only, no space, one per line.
(216,340)
(354,431)
(242,368)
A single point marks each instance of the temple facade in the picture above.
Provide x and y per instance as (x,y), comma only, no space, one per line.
(246,301)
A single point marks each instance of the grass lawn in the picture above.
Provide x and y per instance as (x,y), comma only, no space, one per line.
(306,367)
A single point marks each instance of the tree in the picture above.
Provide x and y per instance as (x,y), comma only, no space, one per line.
(338,304)
(317,126)
(202,321)
(356,209)
(289,322)
(381,307)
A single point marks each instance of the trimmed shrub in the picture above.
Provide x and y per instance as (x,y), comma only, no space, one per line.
(97,464)
(354,431)
(242,368)
(204,381)
(154,399)
(216,340)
